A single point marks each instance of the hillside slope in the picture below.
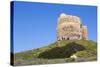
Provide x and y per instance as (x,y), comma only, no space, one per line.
(58,52)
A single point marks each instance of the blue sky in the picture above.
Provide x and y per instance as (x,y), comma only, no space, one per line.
(35,23)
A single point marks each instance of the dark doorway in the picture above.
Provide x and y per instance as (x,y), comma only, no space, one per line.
(67,38)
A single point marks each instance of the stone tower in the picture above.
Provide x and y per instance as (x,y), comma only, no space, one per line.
(70,28)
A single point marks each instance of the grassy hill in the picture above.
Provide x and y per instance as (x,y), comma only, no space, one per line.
(58,52)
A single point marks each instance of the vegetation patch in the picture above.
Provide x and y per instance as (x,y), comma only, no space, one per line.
(58,52)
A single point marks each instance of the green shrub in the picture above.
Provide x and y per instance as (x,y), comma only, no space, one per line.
(85,53)
(62,52)
(69,59)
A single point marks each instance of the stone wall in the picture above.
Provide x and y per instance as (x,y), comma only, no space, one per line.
(70,28)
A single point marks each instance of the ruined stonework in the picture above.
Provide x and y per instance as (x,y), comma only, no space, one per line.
(70,28)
